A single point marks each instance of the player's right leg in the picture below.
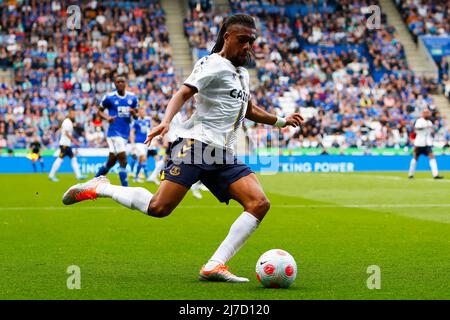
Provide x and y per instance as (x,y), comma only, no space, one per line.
(159,165)
(413,163)
(57,163)
(159,205)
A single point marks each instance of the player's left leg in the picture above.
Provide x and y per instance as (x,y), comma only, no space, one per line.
(248,192)
(433,166)
(112,159)
(41,160)
(122,158)
(159,205)
(143,163)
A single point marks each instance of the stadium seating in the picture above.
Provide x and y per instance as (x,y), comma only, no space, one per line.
(56,67)
(430,17)
(352,84)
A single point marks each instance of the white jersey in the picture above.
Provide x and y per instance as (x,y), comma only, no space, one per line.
(176,122)
(423,129)
(221,101)
(66,127)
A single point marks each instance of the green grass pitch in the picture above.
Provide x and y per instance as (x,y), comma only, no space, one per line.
(335,226)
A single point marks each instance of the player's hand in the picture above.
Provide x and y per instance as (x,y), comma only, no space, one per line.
(133,113)
(111,119)
(159,130)
(294,120)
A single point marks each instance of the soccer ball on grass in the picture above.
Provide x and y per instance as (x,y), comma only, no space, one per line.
(276,268)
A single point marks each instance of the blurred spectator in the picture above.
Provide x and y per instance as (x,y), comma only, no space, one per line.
(56,67)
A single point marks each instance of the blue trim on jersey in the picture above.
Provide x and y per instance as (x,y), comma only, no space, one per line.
(119,107)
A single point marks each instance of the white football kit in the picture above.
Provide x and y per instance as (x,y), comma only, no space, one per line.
(423,129)
(66,127)
(176,122)
(223,92)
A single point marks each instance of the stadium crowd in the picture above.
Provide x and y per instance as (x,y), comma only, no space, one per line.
(57,67)
(360,93)
(431,17)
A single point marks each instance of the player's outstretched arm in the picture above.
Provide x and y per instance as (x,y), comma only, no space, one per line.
(260,115)
(174,106)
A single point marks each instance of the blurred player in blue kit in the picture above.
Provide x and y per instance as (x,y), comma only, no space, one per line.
(121,106)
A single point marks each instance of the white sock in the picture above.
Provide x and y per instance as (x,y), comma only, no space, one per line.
(412,167)
(132,198)
(75,167)
(55,167)
(239,232)
(434,167)
(158,167)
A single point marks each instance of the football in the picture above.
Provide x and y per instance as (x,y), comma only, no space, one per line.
(276,268)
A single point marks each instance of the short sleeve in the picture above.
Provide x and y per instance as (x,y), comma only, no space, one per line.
(105,102)
(67,125)
(420,124)
(202,75)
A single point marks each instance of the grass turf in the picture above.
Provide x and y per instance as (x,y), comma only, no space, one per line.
(335,225)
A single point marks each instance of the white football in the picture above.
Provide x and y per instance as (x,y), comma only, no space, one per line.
(276,268)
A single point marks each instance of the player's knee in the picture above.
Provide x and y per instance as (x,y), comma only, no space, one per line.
(259,207)
(159,210)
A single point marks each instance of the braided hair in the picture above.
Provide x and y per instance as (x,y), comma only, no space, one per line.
(238,18)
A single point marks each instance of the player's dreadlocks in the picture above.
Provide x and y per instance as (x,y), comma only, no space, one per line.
(238,18)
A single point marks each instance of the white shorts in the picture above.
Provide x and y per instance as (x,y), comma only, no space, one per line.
(116,145)
(141,149)
(131,149)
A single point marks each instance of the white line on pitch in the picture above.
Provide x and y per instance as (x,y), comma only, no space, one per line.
(400,178)
(423,205)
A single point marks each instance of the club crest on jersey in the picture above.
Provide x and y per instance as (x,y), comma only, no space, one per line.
(239,94)
(130,101)
(175,171)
